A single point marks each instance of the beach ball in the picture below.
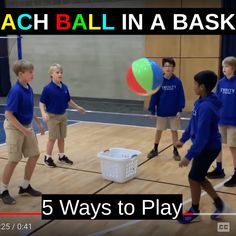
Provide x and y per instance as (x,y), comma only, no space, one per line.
(144,77)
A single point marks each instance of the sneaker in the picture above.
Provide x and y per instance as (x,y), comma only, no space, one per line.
(6,198)
(152,154)
(176,155)
(65,160)
(216,174)
(231,182)
(29,191)
(49,162)
(216,214)
(190,217)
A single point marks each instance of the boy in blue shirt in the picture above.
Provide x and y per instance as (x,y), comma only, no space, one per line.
(55,99)
(167,104)
(206,145)
(226,91)
(20,137)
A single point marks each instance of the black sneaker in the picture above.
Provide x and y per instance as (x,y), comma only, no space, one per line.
(6,198)
(29,191)
(49,162)
(231,182)
(216,174)
(152,154)
(65,160)
(176,155)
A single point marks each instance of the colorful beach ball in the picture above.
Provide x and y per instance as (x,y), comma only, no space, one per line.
(144,77)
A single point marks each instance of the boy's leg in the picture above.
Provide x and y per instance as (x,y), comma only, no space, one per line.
(61,145)
(176,155)
(50,145)
(154,151)
(195,188)
(14,141)
(25,187)
(7,174)
(30,166)
(192,215)
(218,202)
(175,126)
(232,181)
(218,172)
(62,157)
(53,135)
(161,125)
(48,161)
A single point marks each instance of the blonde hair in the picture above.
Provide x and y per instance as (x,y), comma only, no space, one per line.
(54,67)
(230,61)
(22,66)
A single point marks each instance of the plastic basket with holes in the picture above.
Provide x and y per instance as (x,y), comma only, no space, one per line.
(119,164)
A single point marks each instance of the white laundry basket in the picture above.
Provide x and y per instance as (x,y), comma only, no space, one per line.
(119,164)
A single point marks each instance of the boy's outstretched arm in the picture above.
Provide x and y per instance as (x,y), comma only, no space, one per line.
(77,107)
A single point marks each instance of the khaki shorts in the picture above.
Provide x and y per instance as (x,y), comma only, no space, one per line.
(57,126)
(18,143)
(171,122)
(228,134)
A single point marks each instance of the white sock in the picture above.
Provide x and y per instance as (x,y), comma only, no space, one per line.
(47,156)
(25,184)
(3,187)
(61,154)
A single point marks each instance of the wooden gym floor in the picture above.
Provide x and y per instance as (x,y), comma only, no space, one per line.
(156,176)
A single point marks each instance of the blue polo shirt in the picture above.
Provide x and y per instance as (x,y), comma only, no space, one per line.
(20,101)
(226,91)
(55,98)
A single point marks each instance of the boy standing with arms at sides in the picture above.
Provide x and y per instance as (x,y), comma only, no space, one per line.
(206,145)
(226,91)
(20,137)
(55,99)
(167,104)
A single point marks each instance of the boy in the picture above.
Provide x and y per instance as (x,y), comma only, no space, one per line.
(226,91)
(55,98)
(206,145)
(167,104)
(20,137)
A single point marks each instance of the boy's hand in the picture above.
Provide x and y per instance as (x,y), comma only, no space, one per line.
(45,117)
(179,144)
(81,109)
(27,131)
(178,115)
(184,162)
(41,128)
(153,117)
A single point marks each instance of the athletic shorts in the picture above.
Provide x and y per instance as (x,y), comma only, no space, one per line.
(202,163)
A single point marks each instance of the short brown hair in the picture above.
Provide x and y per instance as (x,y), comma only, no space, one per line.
(230,61)
(22,66)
